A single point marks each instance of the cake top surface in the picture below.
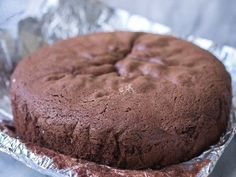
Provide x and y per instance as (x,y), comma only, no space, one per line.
(102,64)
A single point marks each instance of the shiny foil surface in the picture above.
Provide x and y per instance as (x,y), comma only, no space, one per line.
(60,19)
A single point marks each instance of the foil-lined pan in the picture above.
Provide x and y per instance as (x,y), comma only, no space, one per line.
(47,21)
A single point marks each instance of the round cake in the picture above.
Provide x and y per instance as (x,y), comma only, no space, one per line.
(124,99)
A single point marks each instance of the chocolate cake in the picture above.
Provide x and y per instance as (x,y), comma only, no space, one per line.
(123,99)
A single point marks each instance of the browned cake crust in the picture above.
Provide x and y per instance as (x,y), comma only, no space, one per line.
(129,100)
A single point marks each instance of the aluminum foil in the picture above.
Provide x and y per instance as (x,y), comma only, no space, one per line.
(47,21)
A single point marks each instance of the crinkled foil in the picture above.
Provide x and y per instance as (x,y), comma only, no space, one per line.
(47,21)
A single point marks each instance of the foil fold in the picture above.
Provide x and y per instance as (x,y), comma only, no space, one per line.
(60,19)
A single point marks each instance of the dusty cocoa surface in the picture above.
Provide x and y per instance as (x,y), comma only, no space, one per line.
(128,100)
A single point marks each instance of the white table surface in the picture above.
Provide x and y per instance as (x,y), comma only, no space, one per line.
(212,19)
